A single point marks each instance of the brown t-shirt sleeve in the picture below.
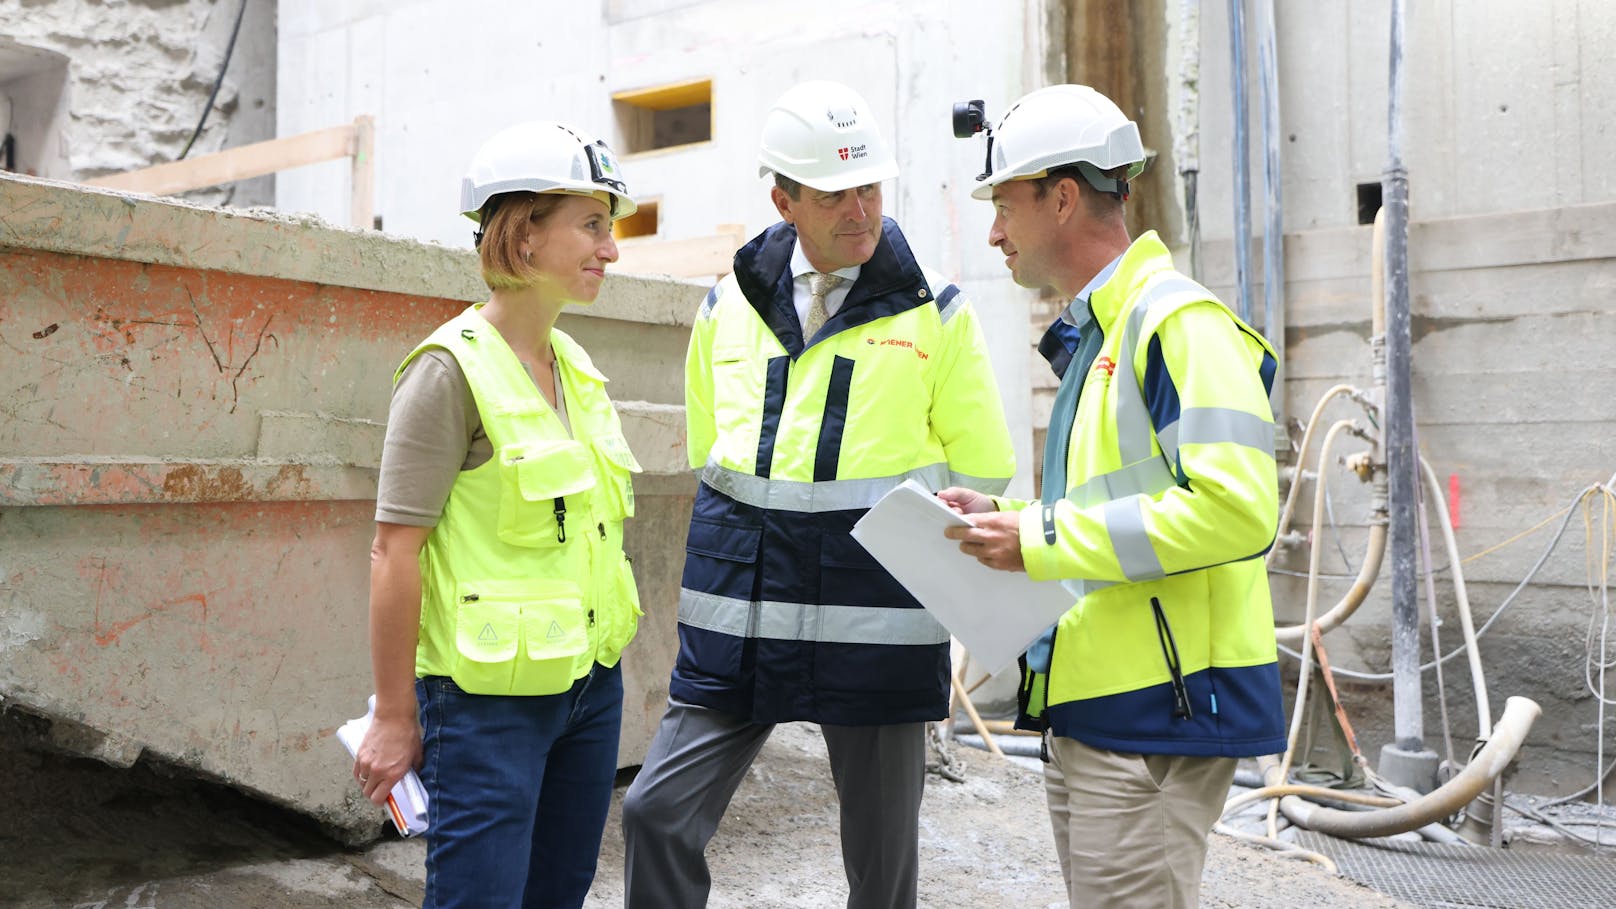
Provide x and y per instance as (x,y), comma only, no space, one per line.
(433,432)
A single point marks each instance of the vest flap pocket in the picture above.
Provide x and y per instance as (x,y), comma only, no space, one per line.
(614,448)
(544,471)
(553,627)
(518,637)
(617,468)
(724,541)
(486,630)
(536,479)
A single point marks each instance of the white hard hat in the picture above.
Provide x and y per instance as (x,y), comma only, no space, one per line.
(544,156)
(822,134)
(1059,125)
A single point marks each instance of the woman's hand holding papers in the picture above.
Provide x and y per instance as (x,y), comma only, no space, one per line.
(391,748)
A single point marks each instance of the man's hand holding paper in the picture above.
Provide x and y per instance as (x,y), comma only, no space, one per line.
(995,614)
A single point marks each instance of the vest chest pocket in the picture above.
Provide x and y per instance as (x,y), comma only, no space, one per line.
(535,479)
(617,467)
(518,637)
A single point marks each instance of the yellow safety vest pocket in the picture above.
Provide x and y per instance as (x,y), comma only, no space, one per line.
(535,479)
(519,637)
(618,467)
(622,606)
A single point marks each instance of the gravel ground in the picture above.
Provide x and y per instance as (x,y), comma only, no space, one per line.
(91,837)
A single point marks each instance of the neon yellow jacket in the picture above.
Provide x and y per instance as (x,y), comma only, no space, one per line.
(524,585)
(1171,500)
(782,615)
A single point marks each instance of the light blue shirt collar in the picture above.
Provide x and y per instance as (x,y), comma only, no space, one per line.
(1077,312)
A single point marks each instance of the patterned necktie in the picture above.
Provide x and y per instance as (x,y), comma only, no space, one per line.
(818,286)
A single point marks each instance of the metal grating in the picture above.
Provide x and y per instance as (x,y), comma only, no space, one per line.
(1440,876)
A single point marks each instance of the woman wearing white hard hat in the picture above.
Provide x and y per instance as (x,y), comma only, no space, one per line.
(500,596)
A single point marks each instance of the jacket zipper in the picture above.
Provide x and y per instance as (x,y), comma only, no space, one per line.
(1164,634)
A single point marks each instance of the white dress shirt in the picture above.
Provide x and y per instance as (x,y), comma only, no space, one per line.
(802,299)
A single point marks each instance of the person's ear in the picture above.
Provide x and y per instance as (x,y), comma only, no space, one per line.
(1068,196)
(782,204)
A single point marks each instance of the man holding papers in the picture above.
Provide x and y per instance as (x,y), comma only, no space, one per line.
(1159,497)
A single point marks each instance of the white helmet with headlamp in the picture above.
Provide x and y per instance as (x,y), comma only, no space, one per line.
(1054,127)
(544,156)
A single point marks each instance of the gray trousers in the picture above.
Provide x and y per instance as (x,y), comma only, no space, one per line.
(698,759)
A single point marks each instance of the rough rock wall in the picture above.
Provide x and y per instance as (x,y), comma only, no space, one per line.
(139,76)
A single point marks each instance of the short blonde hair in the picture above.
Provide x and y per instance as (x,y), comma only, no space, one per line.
(507,221)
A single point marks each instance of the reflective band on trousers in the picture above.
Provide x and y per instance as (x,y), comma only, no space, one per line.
(809,622)
(830,495)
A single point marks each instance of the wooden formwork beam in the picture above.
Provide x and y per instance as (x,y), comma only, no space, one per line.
(356,140)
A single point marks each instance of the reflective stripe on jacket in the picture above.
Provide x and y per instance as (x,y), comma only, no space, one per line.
(1172,499)
(782,615)
(524,585)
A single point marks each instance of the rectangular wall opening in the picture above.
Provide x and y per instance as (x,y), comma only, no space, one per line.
(645,222)
(1368,202)
(664,116)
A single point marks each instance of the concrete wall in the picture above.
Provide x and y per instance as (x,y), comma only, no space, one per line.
(124,83)
(440,77)
(1513,203)
(191,413)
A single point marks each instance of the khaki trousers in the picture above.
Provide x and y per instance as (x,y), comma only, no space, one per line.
(1130,829)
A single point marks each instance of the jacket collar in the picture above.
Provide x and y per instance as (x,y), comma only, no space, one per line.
(1143,258)
(891,282)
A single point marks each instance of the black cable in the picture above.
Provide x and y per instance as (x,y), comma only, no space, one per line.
(228,50)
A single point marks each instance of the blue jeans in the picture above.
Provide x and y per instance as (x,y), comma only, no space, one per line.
(519,790)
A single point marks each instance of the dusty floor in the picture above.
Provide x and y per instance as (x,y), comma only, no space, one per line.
(91,837)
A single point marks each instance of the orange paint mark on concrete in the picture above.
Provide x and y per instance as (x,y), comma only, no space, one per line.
(218,484)
(106,634)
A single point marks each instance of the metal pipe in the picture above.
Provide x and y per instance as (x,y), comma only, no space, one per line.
(1478,680)
(1489,763)
(1187,137)
(1273,201)
(1401,467)
(1242,162)
(1292,635)
(1375,549)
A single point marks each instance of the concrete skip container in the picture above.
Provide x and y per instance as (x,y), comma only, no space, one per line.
(192,405)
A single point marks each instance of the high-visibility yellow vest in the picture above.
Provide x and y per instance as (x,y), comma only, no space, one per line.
(782,615)
(1172,499)
(524,585)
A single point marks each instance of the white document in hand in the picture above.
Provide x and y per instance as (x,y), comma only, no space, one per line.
(406,803)
(995,614)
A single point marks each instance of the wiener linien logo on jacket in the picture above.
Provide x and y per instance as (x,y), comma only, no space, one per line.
(897,342)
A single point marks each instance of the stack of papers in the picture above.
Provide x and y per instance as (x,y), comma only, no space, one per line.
(994,614)
(406,804)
